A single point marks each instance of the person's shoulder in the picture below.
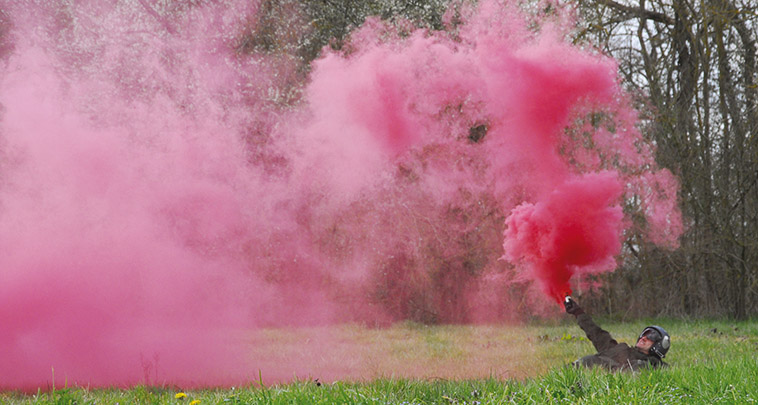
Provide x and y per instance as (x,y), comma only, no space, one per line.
(621,346)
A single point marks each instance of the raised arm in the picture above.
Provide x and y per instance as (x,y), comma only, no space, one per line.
(600,338)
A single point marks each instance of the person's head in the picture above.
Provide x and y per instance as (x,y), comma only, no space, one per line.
(654,340)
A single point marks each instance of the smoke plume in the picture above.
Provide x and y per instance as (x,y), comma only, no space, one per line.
(165,191)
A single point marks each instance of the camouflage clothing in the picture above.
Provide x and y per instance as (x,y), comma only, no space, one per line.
(611,354)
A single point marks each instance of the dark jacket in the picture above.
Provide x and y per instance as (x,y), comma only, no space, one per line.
(611,354)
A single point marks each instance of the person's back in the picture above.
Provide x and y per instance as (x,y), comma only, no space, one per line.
(651,347)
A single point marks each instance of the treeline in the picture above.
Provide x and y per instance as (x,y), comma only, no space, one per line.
(694,66)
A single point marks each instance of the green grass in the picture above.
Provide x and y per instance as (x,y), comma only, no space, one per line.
(707,366)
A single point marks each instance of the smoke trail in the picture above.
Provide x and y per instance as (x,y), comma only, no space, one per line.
(164,192)
(577,226)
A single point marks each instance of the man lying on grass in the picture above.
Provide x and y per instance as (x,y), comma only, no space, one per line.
(649,351)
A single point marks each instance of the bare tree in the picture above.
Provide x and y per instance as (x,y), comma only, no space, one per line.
(696,62)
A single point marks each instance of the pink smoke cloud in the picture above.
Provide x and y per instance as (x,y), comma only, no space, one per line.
(159,201)
(575,229)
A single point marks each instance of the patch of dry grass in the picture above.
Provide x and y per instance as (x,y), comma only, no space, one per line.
(409,351)
(710,362)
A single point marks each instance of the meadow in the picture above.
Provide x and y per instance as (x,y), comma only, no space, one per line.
(710,362)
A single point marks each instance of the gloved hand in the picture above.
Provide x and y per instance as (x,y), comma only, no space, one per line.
(572,307)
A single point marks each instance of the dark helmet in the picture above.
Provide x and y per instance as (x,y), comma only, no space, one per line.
(661,340)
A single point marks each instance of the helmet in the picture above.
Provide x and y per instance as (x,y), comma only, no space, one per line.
(661,340)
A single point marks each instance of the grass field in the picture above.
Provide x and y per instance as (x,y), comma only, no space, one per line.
(710,362)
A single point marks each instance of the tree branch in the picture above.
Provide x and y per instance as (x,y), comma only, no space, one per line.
(639,12)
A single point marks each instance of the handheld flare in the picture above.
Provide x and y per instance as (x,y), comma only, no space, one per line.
(562,297)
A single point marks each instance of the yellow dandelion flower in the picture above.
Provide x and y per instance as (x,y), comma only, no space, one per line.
(180,395)
(195,402)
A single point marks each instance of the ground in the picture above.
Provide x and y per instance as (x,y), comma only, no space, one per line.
(710,362)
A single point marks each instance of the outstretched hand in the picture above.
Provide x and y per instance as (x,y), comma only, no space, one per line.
(572,307)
